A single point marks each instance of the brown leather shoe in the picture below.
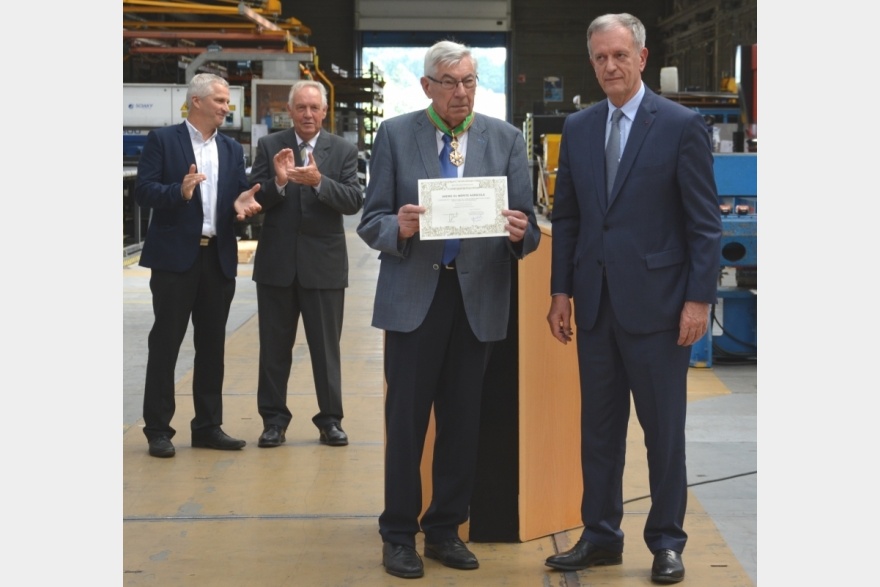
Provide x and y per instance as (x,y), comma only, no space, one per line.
(583,555)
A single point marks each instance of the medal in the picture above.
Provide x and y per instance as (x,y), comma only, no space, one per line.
(454,156)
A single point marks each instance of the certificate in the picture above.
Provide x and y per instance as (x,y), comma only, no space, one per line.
(467,207)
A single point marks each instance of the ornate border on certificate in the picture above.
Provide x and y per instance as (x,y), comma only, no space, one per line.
(467,207)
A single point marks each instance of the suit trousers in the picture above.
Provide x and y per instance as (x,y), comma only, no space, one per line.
(204,294)
(441,364)
(279,311)
(613,362)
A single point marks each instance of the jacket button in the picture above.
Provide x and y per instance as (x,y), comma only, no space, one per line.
(436,267)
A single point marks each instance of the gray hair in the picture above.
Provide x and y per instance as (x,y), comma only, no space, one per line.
(202,85)
(608,22)
(307,83)
(447,53)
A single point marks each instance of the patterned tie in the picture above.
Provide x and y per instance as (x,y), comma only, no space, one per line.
(612,153)
(447,169)
(304,153)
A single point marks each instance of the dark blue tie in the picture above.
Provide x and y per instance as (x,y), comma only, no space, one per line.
(447,169)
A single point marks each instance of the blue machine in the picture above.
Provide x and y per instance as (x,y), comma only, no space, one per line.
(736,178)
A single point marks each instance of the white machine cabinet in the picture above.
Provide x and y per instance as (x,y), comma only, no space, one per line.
(156,105)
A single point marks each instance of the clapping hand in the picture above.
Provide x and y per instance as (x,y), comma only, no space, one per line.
(308,174)
(246,204)
(283,161)
(190,181)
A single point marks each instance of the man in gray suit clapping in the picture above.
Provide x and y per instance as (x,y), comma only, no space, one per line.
(308,180)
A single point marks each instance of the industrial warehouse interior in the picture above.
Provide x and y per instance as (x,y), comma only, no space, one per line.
(306,514)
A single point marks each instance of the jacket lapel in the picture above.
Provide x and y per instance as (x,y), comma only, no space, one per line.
(186,144)
(188,154)
(476,148)
(224,159)
(322,149)
(426,142)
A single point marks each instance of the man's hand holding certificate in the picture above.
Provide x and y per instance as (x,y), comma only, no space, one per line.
(467,207)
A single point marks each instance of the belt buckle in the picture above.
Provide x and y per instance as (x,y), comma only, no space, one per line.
(450,266)
(206,240)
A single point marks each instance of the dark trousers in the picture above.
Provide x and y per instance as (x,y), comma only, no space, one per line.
(279,311)
(612,363)
(204,294)
(440,364)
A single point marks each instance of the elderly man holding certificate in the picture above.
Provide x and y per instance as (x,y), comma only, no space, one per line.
(449,208)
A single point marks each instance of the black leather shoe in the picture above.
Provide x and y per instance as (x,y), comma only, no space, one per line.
(452,553)
(667,567)
(333,435)
(272,436)
(583,555)
(161,447)
(216,438)
(402,561)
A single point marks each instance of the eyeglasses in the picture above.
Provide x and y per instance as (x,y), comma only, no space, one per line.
(448,83)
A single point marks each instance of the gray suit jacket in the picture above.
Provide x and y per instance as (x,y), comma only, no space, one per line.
(303,234)
(405,151)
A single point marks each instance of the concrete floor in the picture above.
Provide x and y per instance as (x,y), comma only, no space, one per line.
(306,514)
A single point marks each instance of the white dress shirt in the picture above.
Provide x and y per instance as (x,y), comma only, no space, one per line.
(207,162)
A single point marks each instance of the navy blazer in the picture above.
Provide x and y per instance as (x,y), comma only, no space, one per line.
(658,241)
(172,241)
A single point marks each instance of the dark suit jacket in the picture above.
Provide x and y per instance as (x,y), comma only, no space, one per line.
(405,151)
(172,241)
(303,234)
(658,242)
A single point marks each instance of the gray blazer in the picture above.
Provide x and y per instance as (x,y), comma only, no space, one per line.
(404,151)
(303,234)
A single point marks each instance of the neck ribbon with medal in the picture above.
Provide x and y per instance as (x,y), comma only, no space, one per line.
(455,157)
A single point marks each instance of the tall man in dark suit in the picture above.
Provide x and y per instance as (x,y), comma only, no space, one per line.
(639,253)
(309,180)
(193,180)
(440,311)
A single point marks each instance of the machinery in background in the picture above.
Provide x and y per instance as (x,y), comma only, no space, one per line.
(548,165)
(542,134)
(733,331)
(732,334)
(149,106)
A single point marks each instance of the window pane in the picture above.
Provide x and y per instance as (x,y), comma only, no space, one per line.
(403,67)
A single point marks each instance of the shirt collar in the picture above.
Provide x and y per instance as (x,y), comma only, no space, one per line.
(311,142)
(195,134)
(631,107)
